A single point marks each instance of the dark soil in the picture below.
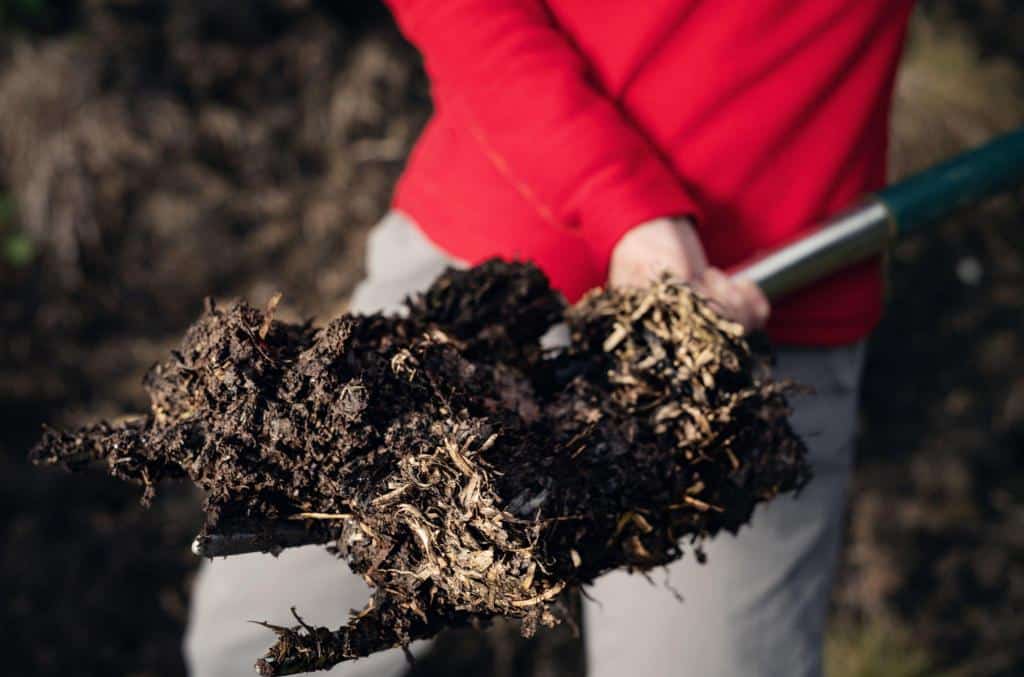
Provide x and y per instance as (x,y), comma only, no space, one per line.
(464,472)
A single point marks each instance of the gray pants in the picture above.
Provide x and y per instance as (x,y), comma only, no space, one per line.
(757,608)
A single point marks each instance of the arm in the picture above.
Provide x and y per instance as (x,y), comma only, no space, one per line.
(526,96)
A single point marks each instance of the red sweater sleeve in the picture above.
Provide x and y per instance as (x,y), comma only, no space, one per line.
(525,95)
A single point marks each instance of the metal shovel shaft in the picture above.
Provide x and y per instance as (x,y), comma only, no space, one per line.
(273,538)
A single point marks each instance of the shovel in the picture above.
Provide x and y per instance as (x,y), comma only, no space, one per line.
(852,236)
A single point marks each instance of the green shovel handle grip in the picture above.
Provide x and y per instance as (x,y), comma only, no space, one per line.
(924,198)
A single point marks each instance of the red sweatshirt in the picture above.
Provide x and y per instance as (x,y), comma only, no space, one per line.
(560,125)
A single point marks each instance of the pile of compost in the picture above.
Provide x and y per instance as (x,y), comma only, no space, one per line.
(463,470)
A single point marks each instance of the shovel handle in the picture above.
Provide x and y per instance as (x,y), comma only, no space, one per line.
(899,210)
(924,198)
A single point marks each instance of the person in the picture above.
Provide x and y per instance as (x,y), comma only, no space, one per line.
(609,142)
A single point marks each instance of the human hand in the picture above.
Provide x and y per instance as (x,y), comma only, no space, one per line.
(672,246)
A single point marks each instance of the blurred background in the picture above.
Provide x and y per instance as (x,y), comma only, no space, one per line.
(153,152)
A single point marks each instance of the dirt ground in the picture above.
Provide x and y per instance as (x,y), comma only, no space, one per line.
(230,197)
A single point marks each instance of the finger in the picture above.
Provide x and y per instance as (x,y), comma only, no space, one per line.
(723,290)
(755,300)
(731,300)
(716,287)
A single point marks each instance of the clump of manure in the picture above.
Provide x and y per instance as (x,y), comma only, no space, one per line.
(462,470)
